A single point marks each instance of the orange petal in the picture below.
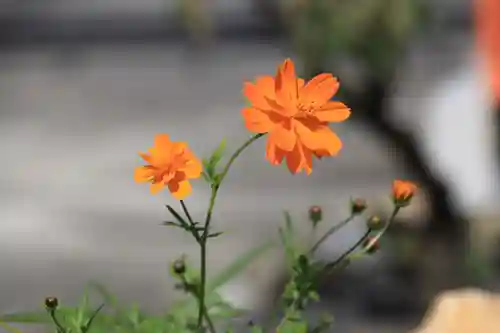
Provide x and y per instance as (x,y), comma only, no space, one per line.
(178,148)
(192,168)
(319,90)
(300,83)
(265,84)
(295,159)
(257,121)
(162,141)
(274,154)
(162,149)
(180,190)
(307,159)
(143,174)
(320,153)
(156,187)
(333,112)
(258,93)
(286,85)
(319,138)
(283,136)
(146,157)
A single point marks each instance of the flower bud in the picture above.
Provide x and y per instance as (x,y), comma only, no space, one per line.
(371,245)
(374,223)
(51,303)
(315,214)
(179,266)
(358,206)
(402,192)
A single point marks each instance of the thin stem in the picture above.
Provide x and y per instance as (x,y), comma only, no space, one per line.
(208,218)
(60,328)
(382,232)
(330,232)
(375,239)
(194,231)
(194,292)
(210,323)
(349,251)
(184,208)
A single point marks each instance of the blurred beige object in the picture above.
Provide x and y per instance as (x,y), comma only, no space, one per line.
(463,311)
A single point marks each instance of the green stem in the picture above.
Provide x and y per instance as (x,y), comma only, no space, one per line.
(203,244)
(349,252)
(330,232)
(60,328)
(194,231)
(382,232)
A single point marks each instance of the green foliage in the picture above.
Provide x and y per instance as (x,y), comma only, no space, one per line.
(374,32)
(182,317)
(210,173)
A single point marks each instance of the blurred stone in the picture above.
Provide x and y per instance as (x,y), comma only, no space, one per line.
(463,311)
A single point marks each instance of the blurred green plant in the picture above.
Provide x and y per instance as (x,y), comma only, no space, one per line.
(111,316)
(195,20)
(374,32)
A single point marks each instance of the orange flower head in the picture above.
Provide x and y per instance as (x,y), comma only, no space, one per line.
(170,164)
(295,114)
(403,191)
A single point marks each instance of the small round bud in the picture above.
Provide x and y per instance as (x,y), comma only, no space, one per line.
(315,214)
(371,245)
(179,266)
(51,303)
(358,206)
(374,223)
(402,192)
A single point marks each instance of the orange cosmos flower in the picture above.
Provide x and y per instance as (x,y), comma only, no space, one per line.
(403,191)
(296,116)
(487,15)
(170,164)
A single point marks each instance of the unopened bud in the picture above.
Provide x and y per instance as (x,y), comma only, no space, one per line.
(315,214)
(371,245)
(51,303)
(402,192)
(358,206)
(374,223)
(179,266)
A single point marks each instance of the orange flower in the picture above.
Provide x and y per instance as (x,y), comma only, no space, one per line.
(296,116)
(170,164)
(403,191)
(487,15)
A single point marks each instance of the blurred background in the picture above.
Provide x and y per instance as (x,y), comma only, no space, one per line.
(85,85)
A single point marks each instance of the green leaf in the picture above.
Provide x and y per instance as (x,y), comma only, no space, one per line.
(177,217)
(34,317)
(9,328)
(210,165)
(256,329)
(120,316)
(238,265)
(81,311)
(287,236)
(90,321)
(188,307)
(215,234)
(218,153)
(172,224)
(292,326)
